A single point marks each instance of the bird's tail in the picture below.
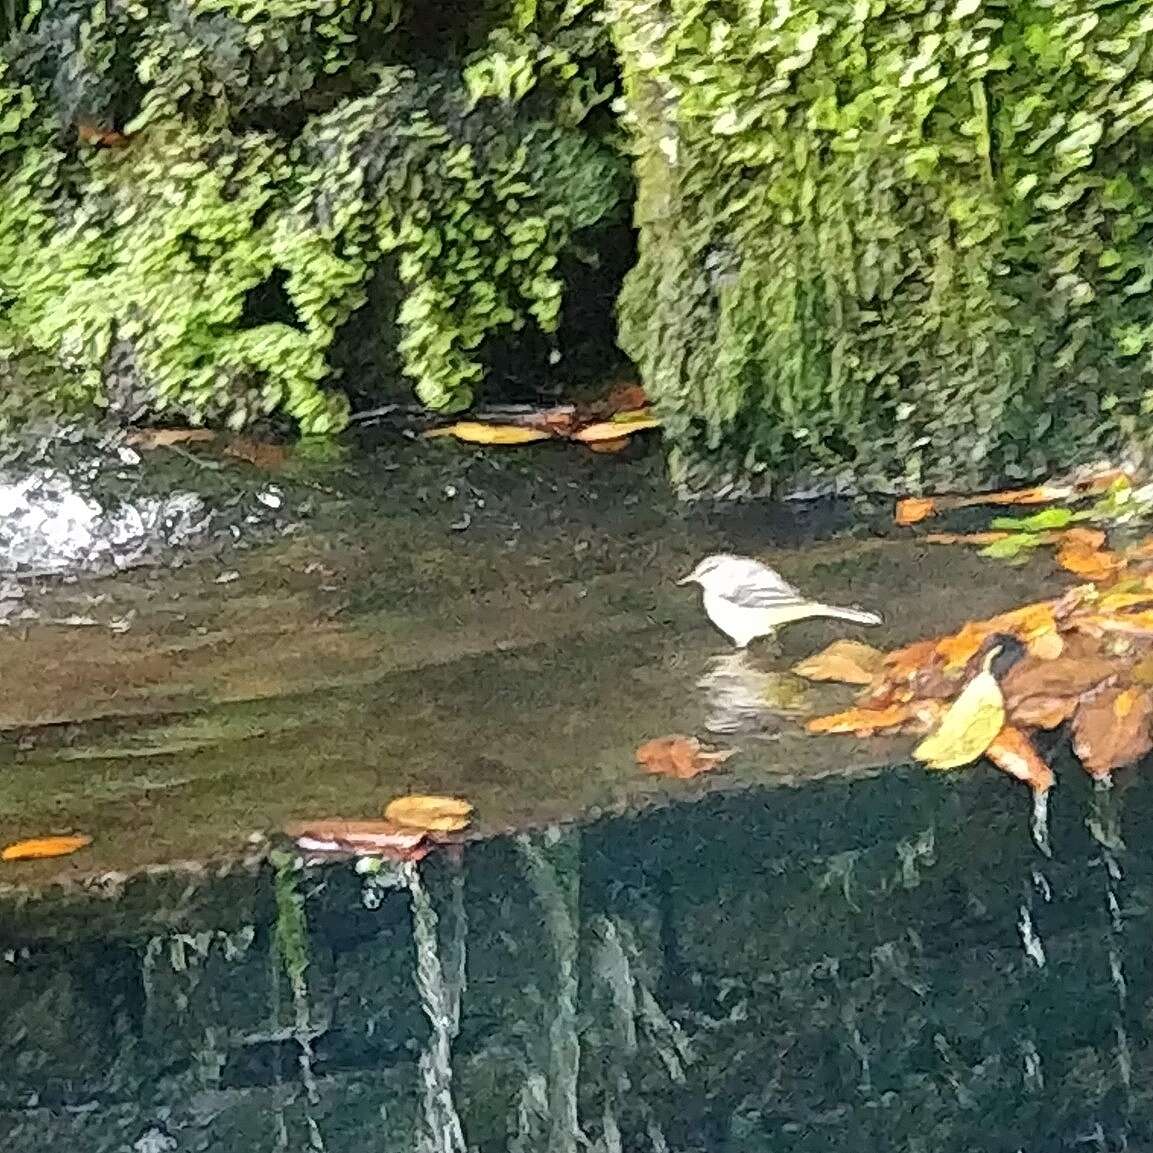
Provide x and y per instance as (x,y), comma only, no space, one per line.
(857,616)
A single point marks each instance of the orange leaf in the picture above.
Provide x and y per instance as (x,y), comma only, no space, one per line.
(1013,753)
(263,454)
(431,813)
(1111,729)
(1092,564)
(914,509)
(90,134)
(42,848)
(861,722)
(679,756)
(366,838)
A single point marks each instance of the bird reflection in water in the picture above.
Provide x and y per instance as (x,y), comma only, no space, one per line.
(743,698)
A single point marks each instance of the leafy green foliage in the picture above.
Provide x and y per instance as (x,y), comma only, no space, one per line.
(894,246)
(257,142)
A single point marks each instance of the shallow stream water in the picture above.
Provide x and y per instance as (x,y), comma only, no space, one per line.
(814,948)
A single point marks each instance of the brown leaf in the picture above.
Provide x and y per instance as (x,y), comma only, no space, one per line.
(42,848)
(146,438)
(679,756)
(981,538)
(1127,624)
(263,454)
(431,813)
(365,838)
(914,509)
(1111,729)
(1066,676)
(1089,538)
(89,133)
(849,662)
(1014,753)
(1043,712)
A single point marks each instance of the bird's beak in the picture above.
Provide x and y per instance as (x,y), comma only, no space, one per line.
(688,580)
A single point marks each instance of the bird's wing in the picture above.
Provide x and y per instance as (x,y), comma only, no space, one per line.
(763,590)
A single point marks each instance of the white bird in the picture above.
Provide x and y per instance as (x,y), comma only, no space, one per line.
(746,599)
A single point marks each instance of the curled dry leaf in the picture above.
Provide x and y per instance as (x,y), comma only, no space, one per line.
(42,848)
(1111,729)
(431,813)
(364,838)
(1014,753)
(476,432)
(848,662)
(679,756)
(968,726)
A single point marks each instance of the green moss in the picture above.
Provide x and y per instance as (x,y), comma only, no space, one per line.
(280,141)
(896,245)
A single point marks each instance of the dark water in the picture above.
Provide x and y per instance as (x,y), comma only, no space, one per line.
(887,964)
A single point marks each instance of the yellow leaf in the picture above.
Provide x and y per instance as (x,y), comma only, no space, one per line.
(474,432)
(969,726)
(435,814)
(849,662)
(41,848)
(614,429)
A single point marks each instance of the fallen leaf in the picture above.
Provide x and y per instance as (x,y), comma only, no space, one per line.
(968,726)
(1046,647)
(1093,564)
(862,722)
(1014,753)
(1120,599)
(1127,624)
(476,432)
(1026,624)
(615,429)
(146,438)
(964,537)
(626,398)
(1090,538)
(42,848)
(848,662)
(1043,712)
(609,446)
(365,838)
(262,454)
(1065,676)
(679,756)
(431,813)
(1111,729)
(914,509)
